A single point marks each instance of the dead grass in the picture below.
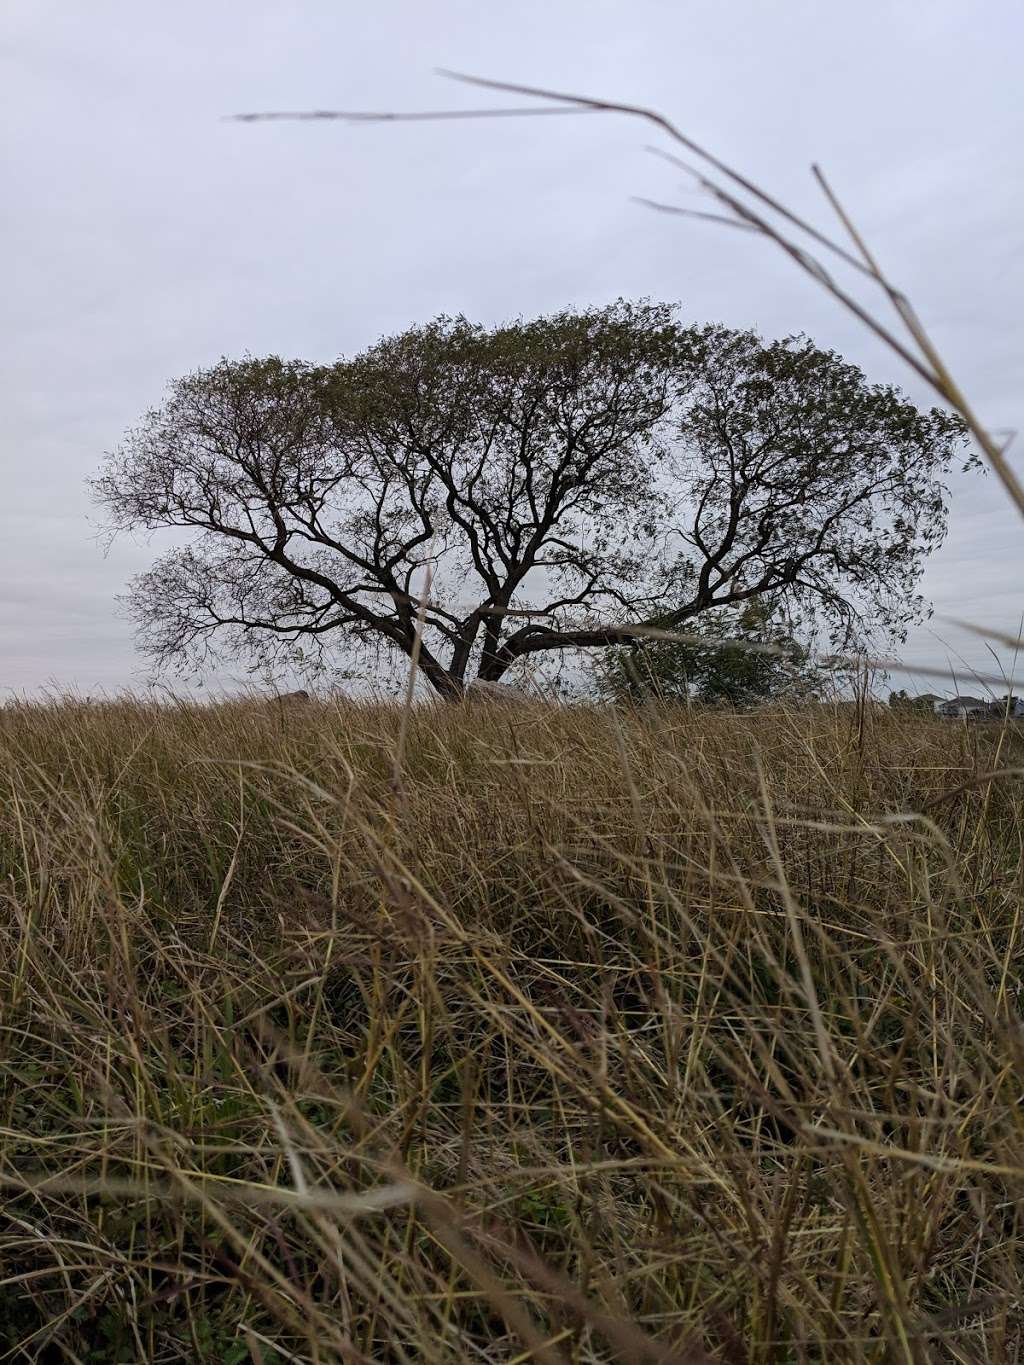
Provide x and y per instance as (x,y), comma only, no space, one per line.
(665,1037)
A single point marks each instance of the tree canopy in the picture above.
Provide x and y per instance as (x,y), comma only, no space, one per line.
(714,664)
(535,487)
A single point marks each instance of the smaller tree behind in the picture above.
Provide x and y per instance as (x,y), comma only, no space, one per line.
(713,669)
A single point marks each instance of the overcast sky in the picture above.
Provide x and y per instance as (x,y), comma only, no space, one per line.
(144,236)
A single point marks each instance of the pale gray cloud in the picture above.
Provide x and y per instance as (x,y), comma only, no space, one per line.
(143,236)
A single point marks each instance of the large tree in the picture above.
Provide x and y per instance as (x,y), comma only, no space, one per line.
(556,482)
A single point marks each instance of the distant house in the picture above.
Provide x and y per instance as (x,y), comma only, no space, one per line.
(925,704)
(959,708)
(927,701)
(1012,707)
(963,707)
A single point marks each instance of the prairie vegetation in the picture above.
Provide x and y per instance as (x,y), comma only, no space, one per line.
(337,1032)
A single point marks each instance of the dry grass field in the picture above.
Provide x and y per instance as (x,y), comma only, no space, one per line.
(329,1033)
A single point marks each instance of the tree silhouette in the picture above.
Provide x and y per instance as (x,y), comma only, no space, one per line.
(564,481)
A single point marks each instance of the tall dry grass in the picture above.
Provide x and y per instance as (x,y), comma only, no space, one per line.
(559,1035)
